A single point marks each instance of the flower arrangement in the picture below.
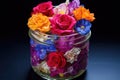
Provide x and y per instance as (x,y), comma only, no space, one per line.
(64,19)
(60,57)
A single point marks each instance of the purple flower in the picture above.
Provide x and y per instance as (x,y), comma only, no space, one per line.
(65,43)
(81,63)
(56,72)
(35,59)
(83,26)
(73,5)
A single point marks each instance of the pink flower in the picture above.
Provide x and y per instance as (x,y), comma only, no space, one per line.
(62,24)
(45,8)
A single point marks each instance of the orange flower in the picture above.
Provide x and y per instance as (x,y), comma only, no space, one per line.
(83,13)
(39,22)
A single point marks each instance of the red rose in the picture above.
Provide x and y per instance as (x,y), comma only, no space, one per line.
(56,59)
(45,8)
(62,24)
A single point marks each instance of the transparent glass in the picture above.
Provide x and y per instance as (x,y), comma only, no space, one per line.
(69,62)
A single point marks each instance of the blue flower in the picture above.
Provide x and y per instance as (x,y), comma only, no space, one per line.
(49,41)
(43,49)
(83,26)
(51,46)
(40,46)
(32,42)
(43,54)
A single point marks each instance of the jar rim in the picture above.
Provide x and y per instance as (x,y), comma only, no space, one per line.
(36,36)
(67,35)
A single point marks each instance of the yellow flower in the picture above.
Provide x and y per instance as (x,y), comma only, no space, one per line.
(39,22)
(83,13)
(61,74)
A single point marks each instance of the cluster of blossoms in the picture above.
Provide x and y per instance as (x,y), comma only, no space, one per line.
(55,61)
(59,57)
(64,19)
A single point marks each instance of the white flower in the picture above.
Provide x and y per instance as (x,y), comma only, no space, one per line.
(44,67)
(72,54)
(61,9)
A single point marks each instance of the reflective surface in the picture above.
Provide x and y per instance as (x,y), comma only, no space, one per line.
(103,63)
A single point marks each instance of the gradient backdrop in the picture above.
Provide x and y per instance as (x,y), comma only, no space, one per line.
(104,53)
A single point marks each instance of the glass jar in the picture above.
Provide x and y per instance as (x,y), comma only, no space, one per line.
(59,57)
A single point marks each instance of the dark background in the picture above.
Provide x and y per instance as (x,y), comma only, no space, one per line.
(14,40)
(14,16)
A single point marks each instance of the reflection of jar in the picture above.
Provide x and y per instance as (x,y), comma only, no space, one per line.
(59,57)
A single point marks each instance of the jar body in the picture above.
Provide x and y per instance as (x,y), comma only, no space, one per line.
(59,58)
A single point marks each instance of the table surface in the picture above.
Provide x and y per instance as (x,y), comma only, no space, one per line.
(103,63)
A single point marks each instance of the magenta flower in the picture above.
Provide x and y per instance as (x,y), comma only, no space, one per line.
(62,24)
(65,43)
(45,8)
